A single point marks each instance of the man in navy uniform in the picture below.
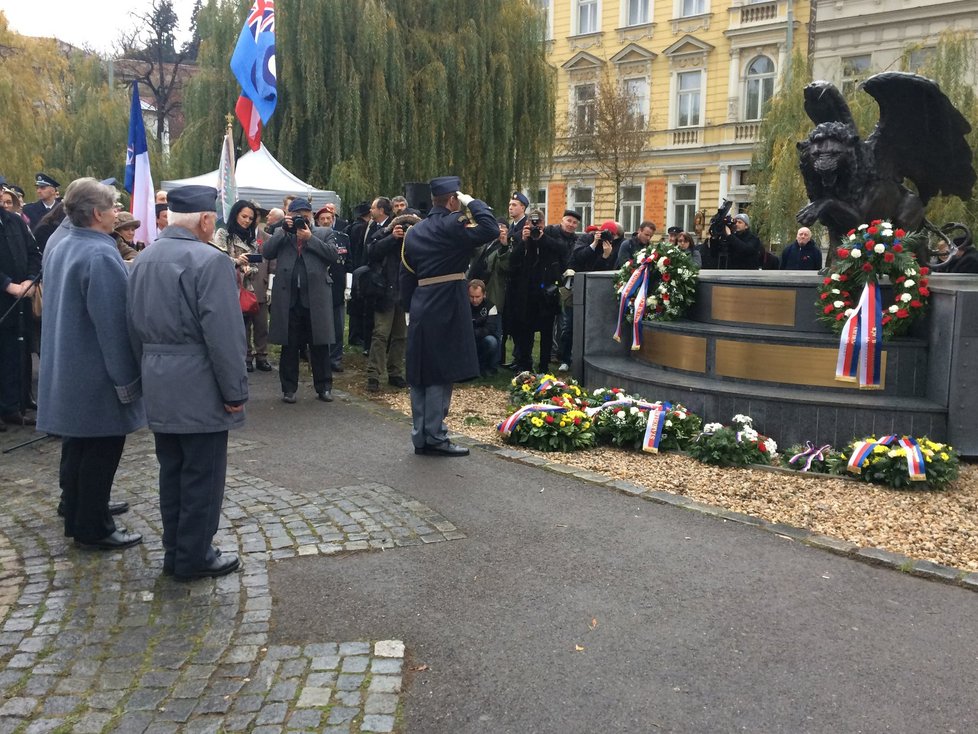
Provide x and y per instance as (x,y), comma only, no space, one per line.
(47,197)
(441,348)
(186,329)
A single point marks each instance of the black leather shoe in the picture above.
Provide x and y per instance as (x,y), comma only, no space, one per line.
(288,397)
(397,382)
(117,541)
(220,566)
(326,396)
(445,449)
(250,366)
(262,365)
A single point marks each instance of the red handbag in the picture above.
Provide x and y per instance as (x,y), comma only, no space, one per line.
(248,301)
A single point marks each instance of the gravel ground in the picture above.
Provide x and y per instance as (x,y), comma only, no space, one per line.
(936,526)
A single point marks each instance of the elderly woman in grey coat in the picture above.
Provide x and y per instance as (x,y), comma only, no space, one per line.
(89,386)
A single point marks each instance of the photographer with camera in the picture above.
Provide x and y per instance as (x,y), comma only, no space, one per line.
(732,245)
(302,302)
(537,261)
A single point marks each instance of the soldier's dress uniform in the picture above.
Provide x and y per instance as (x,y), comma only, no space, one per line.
(441,348)
(186,328)
(36,210)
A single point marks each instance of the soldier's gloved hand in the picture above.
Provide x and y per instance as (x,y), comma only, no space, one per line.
(464,198)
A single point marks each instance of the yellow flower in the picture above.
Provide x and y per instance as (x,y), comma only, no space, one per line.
(879,450)
(944,456)
(563,424)
(536,421)
(586,425)
(526,388)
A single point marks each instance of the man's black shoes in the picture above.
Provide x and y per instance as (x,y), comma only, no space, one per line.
(221,566)
(326,396)
(288,397)
(117,541)
(397,382)
(115,508)
(262,365)
(373,384)
(443,449)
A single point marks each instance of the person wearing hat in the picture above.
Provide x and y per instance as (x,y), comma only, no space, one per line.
(518,203)
(89,389)
(186,329)
(125,232)
(47,197)
(673,234)
(441,349)
(302,298)
(738,248)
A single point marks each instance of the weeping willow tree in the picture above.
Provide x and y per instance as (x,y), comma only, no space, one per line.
(378,92)
(780,190)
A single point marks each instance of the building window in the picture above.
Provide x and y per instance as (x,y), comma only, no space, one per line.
(638,12)
(919,58)
(630,213)
(584,96)
(637,93)
(683,206)
(691,7)
(587,16)
(760,87)
(854,70)
(689,84)
(582,201)
(538,200)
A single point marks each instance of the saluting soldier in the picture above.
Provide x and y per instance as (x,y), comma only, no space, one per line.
(441,349)
(186,328)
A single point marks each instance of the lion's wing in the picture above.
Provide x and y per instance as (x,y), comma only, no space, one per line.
(920,135)
(825,103)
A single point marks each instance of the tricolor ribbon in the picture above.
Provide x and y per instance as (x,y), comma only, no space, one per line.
(547,384)
(508,425)
(810,455)
(860,346)
(637,288)
(862,451)
(915,459)
(653,429)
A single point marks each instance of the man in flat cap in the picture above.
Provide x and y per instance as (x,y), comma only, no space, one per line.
(187,331)
(47,197)
(441,348)
(89,385)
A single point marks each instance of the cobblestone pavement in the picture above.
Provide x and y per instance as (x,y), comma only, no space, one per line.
(102,642)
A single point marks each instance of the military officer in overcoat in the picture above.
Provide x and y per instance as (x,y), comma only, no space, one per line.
(441,348)
(186,329)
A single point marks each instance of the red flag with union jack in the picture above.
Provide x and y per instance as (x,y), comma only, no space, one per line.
(253,64)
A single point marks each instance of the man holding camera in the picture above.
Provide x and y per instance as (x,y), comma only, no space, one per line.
(302,298)
(441,349)
(743,249)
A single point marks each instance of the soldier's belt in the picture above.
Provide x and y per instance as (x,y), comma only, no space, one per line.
(436,279)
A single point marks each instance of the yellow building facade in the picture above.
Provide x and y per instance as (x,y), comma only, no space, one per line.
(700,71)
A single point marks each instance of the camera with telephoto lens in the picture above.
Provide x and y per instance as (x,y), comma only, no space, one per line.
(535,227)
(297,224)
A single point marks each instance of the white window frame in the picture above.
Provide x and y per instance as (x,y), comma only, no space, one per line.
(595,5)
(765,81)
(851,77)
(642,108)
(684,219)
(630,210)
(701,7)
(577,104)
(680,94)
(538,200)
(644,12)
(584,207)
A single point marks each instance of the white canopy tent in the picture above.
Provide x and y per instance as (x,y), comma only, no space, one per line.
(262,179)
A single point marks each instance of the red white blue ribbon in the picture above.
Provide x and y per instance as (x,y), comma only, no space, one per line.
(860,346)
(637,288)
(862,451)
(915,459)
(810,455)
(653,428)
(508,425)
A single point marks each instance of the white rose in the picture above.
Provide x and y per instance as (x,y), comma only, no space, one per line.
(879,249)
(835,276)
(908,284)
(838,304)
(887,232)
(855,252)
(906,297)
(835,291)
(852,237)
(744,420)
(893,309)
(680,415)
(848,312)
(863,227)
(712,427)
(668,424)
(908,272)
(887,226)
(620,414)
(633,410)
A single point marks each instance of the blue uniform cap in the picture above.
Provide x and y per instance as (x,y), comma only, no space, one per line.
(43,179)
(191,199)
(445,185)
(521,198)
(299,205)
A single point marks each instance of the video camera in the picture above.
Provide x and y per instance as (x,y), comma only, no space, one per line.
(721,220)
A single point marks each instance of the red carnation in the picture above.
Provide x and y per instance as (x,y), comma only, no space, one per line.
(845,294)
(871,230)
(851,232)
(897,247)
(665,299)
(549,419)
(843,278)
(876,221)
(842,252)
(924,270)
(900,279)
(761,447)
(925,292)
(898,233)
(870,244)
(828,309)
(902,313)
(839,316)
(824,296)
(888,257)
(886,320)
(923,282)
(666,277)
(916,304)
(577,421)
(665,261)
(826,281)
(867,267)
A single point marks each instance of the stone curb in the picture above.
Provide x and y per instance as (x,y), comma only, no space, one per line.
(873,556)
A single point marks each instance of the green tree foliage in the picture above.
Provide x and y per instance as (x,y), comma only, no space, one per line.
(399,90)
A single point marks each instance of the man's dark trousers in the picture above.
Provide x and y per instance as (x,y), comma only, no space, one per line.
(300,332)
(193,467)
(88,466)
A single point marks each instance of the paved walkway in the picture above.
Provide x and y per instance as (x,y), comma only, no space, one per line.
(94,641)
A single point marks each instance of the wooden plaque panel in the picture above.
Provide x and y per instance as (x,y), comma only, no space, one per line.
(790,365)
(765,306)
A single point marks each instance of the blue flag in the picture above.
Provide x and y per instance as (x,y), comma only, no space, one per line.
(139,180)
(253,61)
(137,137)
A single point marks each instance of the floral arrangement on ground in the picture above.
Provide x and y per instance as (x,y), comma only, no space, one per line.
(867,254)
(735,445)
(666,275)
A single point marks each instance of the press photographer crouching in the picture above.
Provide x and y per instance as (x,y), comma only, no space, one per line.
(732,245)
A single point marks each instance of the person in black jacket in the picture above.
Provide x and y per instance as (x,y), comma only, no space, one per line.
(485,325)
(641,240)
(361,317)
(738,248)
(536,263)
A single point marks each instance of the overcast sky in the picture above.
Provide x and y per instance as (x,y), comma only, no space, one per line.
(96,23)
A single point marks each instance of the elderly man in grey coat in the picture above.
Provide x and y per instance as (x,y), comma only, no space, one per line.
(187,331)
(302,299)
(89,384)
